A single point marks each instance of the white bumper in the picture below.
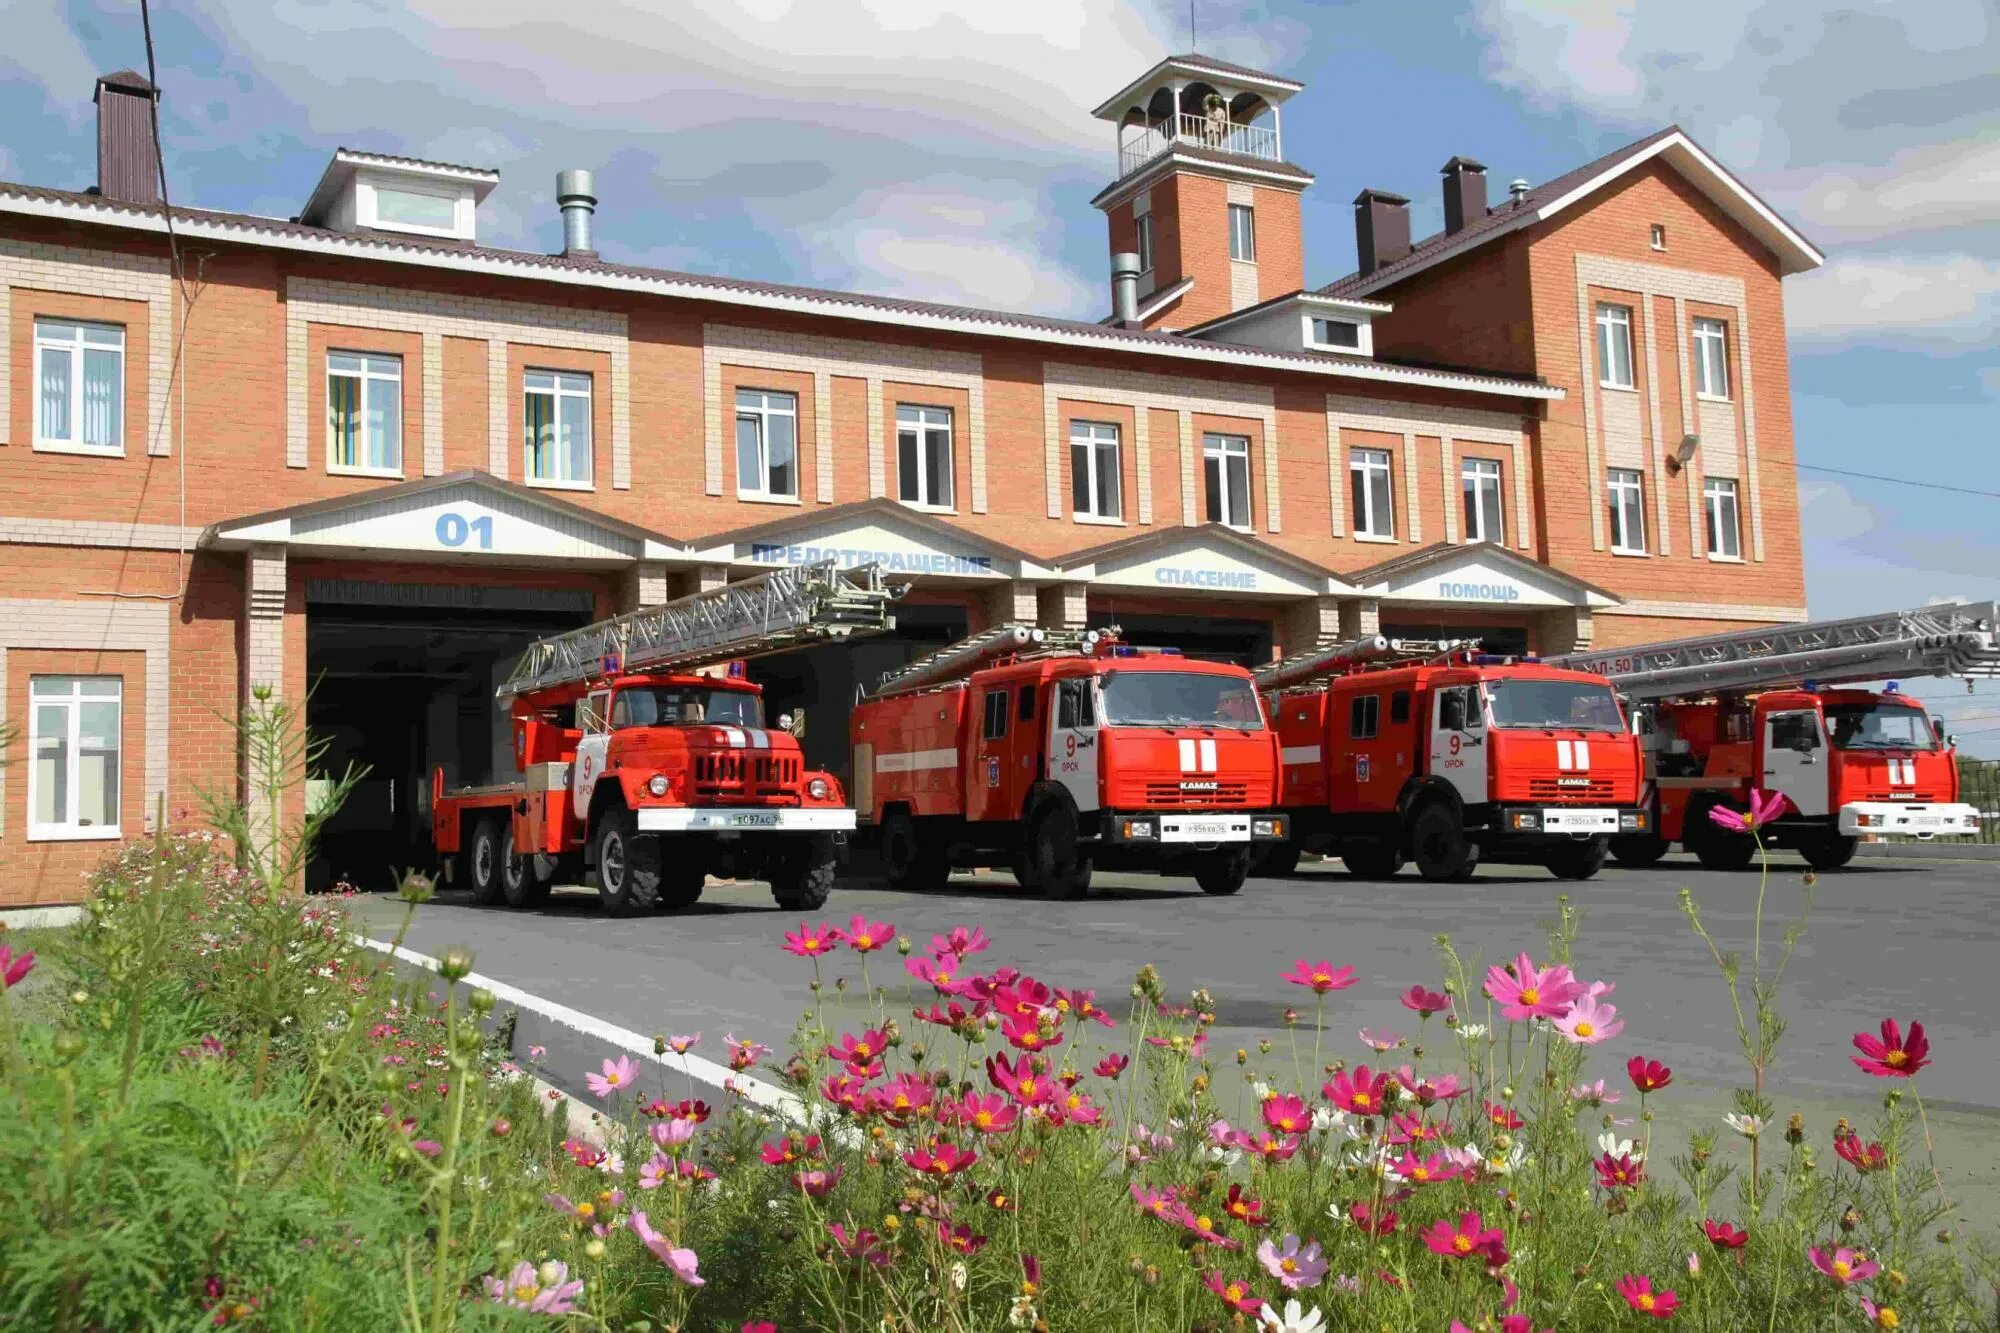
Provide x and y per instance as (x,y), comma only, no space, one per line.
(1205,828)
(1566,819)
(710,819)
(1908,819)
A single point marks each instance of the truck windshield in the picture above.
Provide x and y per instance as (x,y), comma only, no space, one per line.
(1180,699)
(1879,727)
(682,705)
(1561,705)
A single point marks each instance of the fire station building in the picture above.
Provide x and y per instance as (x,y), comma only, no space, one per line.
(359,458)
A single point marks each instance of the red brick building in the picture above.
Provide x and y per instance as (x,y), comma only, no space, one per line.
(359,451)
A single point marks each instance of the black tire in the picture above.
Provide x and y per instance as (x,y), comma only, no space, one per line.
(628,864)
(802,872)
(1057,866)
(1371,860)
(1222,871)
(1578,860)
(1443,853)
(1828,851)
(910,861)
(1714,846)
(1280,859)
(519,884)
(1638,850)
(485,860)
(681,885)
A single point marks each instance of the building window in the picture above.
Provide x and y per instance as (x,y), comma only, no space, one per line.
(416,209)
(1711,358)
(557,414)
(74,747)
(1145,228)
(923,455)
(1343,333)
(1374,507)
(1093,469)
(80,379)
(1364,717)
(1614,346)
(1226,461)
(1659,235)
(364,414)
(1725,538)
(1479,481)
(1242,232)
(767,445)
(1627,497)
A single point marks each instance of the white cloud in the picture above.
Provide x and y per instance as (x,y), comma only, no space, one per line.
(1897,298)
(1830,512)
(1935,187)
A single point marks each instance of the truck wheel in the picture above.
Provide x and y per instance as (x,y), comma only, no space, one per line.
(802,872)
(1578,860)
(1222,871)
(1638,850)
(1443,852)
(519,884)
(628,864)
(908,859)
(681,885)
(1056,865)
(1371,860)
(1280,860)
(492,841)
(1714,846)
(1828,851)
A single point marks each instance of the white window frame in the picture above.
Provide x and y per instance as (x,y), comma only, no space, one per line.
(1363,341)
(1243,233)
(1714,491)
(926,420)
(1625,494)
(44,692)
(1225,449)
(1143,241)
(77,343)
(368,207)
(1087,440)
(375,368)
(1474,474)
(1363,465)
(1659,236)
(1614,326)
(561,386)
(1711,359)
(770,403)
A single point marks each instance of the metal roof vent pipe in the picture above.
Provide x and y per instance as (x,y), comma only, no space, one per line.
(1125,290)
(577,197)
(1518,189)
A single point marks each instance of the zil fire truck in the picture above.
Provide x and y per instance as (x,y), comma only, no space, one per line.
(1057,752)
(1395,749)
(1770,709)
(646,759)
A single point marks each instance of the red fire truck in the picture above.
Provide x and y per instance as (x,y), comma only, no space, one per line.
(1394,749)
(1723,715)
(646,760)
(1055,753)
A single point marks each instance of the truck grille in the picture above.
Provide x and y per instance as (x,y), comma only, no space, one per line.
(746,773)
(1220,793)
(1570,789)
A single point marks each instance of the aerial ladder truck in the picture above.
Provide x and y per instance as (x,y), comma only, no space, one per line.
(1056,752)
(1779,710)
(646,760)
(1395,750)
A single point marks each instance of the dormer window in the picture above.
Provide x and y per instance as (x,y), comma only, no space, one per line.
(373,192)
(417,210)
(1341,334)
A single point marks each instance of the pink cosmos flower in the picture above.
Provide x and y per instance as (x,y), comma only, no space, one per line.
(785,1151)
(1723,1236)
(863,1246)
(1019,1080)
(1512,1323)
(1589,1022)
(1358,1092)
(1892,1056)
(1428,1091)
(817,1182)
(960,944)
(1235,1293)
(1862,1157)
(1082,1003)
(1765,806)
(1287,1114)
(1111,1066)
(1620,1172)
(1293,1266)
(1248,1211)
(1271,1147)
(941,975)
(860,1053)
(1844,1266)
(1637,1289)
(760,1326)
(901,1097)
(1468,1238)
(1425,1002)
(1423,1170)
(986,1112)
(1502,1116)
(524,1289)
(1595,1094)
(865,936)
(621,1073)
(1371,1224)
(811,941)
(671,1133)
(1160,1203)
(1532,992)
(14,967)
(1405,1128)
(1380,1042)
(655,1171)
(1648,1075)
(1025,1032)
(1320,977)
(1202,1226)
(682,1045)
(745,1053)
(680,1262)
(940,1159)
(428,1147)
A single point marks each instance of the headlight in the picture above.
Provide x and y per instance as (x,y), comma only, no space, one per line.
(1138,828)
(1632,819)
(1869,821)
(1528,819)
(818,789)
(1267,828)
(658,784)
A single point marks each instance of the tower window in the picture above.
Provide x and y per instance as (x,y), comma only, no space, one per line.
(1243,233)
(1659,235)
(1145,243)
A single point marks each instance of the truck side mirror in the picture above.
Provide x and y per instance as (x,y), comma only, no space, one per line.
(795,723)
(1451,711)
(1475,715)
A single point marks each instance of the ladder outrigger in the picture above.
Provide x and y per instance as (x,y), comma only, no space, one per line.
(956,661)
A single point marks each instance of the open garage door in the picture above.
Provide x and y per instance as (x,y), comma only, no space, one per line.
(1211,638)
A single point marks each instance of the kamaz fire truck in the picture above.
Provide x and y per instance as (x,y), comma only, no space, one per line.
(646,759)
(1768,709)
(1057,752)
(1397,749)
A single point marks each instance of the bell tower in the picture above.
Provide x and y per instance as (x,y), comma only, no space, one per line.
(1203,196)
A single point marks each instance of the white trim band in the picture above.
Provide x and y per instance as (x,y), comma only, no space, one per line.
(709,819)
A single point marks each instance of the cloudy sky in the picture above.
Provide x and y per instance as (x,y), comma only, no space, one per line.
(944,148)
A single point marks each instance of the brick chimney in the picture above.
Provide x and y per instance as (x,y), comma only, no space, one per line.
(128,157)
(1464,193)
(1381,229)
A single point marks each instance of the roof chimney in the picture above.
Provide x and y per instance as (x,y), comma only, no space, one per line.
(1464,193)
(128,157)
(575,195)
(1125,290)
(1381,229)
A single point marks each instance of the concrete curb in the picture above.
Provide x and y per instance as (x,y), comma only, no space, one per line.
(1932,851)
(39,918)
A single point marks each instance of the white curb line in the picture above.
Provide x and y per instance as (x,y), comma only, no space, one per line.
(37,918)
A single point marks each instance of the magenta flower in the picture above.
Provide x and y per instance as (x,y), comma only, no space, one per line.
(1425,1002)
(621,1073)
(1428,1091)
(672,1132)
(1844,1266)
(682,1045)
(1588,1022)
(1380,1042)
(1319,977)
(1470,1237)
(1358,1092)
(817,1182)
(1532,992)
(811,941)
(14,967)
(1765,806)
(680,1262)
(960,944)
(865,936)
(655,1172)
(1893,1055)
(1294,1267)
(1287,1114)
(544,1291)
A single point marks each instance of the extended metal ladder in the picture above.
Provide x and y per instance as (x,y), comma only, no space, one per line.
(1370,650)
(784,609)
(1950,639)
(959,660)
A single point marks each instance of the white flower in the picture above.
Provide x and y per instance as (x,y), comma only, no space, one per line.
(1617,1147)
(1507,1163)
(1328,1117)
(1749,1126)
(1023,1314)
(1223,1156)
(1296,1319)
(1262,1091)
(1694,1264)
(958,1277)
(1471,1031)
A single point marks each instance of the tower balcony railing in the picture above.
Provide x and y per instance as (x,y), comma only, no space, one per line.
(1218,133)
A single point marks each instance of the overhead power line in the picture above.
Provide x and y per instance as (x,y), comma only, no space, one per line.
(1898,481)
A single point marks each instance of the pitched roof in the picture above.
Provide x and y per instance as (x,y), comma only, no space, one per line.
(1263,81)
(1551,196)
(1216,534)
(1442,552)
(892,511)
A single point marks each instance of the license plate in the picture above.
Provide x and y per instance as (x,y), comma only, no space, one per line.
(1580,821)
(1197,828)
(1926,821)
